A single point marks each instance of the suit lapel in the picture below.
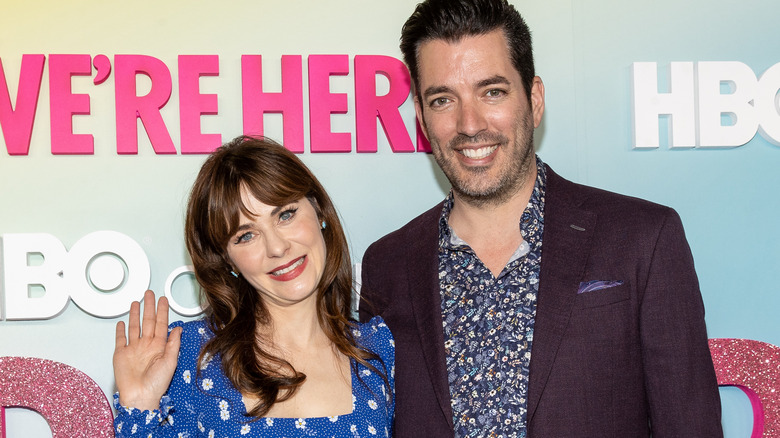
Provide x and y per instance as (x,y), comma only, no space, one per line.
(565,245)
(423,269)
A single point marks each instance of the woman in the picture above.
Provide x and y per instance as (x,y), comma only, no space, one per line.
(275,354)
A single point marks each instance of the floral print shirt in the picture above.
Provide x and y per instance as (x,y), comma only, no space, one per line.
(489,325)
(208,405)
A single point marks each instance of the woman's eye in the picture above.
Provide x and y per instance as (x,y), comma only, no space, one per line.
(288,214)
(245,237)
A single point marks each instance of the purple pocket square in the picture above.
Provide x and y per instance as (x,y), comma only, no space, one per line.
(590,286)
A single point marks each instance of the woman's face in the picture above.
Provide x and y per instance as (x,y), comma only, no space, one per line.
(279,250)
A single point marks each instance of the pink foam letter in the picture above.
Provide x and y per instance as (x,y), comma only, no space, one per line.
(63,104)
(422,143)
(130,106)
(322,103)
(18,124)
(753,367)
(369,106)
(192,104)
(71,402)
(288,102)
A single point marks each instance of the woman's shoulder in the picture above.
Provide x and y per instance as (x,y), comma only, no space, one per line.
(375,336)
(194,334)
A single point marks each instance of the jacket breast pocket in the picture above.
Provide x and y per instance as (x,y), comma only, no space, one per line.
(603,297)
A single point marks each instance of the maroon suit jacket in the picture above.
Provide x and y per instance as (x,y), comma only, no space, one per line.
(624,362)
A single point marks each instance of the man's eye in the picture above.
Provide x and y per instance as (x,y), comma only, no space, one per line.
(439,101)
(495,93)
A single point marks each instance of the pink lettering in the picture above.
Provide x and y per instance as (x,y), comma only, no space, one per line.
(18,124)
(63,104)
(56,391)
(130,106)
(422,143)
(753,367)
(322,103)
(369,106)
(192,104)
(288,102)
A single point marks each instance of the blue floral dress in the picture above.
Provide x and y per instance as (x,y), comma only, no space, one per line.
(208,405)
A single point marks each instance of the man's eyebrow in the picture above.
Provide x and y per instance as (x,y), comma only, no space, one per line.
(493,80)
(430,91)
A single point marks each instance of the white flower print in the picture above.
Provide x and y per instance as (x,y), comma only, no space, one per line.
(365,373)
(119,427)
(211,433)
(186,376)
(333,418)
(269,422)
(202,331)
(134,429)
(372,404)
(371,430)
(245,429)
(353,428)
(300,423)
(392,343)
(224,415)
(205,362)
(200,427)
(207,384)
(150,416)
(223,405)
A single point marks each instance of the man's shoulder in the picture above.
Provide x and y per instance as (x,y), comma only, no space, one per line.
(420,229)
(563,191)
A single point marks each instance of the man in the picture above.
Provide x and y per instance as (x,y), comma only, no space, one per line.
(525,304)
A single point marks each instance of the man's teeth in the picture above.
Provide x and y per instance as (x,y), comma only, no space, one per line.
(478,154)
(289,268)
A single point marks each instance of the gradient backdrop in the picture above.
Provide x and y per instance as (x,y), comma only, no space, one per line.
(727,197)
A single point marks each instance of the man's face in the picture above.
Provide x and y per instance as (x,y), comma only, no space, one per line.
(477,116)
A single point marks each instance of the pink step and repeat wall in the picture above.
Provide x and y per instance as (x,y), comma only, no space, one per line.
(107,110)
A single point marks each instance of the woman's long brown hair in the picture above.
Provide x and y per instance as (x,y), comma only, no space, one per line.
(234,310)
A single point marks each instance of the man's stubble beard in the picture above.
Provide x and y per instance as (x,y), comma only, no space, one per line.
(510,180)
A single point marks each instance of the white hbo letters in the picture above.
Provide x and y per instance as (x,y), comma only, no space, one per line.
(103,273)
(699,106)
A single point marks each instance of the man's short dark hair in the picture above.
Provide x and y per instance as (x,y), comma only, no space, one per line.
(451,20)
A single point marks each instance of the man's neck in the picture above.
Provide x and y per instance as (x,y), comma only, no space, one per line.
(492,230)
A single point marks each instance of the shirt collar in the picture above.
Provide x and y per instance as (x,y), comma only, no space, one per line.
(535,208)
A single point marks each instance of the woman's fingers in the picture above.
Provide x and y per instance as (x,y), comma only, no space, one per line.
(133,323)
(121,339)
(161,326)
(149,318)
(153,323)
(174,342)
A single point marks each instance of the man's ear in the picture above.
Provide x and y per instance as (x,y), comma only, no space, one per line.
(537,100)
(420,120)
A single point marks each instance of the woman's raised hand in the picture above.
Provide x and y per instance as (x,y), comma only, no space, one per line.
(145,360)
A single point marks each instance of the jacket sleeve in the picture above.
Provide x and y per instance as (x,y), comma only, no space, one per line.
(368,304)
(681,385)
